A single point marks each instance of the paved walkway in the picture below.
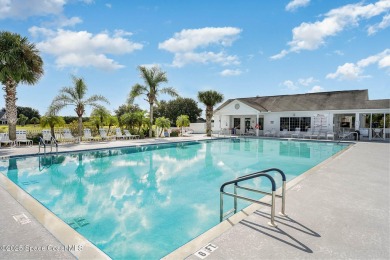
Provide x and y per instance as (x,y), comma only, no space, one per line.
(339,211)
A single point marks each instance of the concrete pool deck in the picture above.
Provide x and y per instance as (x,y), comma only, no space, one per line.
(339,209)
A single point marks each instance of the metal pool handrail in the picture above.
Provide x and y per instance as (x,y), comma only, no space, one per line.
(42,142)
(272,194)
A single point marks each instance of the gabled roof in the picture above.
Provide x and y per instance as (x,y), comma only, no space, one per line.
(335,100)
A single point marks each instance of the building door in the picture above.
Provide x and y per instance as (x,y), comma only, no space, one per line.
(247,124)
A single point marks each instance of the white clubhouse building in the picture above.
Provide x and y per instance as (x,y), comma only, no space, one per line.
(336,111)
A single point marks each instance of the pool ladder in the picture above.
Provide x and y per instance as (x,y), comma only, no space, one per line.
(273,194)
(42,142)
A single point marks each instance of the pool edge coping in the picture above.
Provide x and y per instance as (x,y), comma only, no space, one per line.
(203,239)
(56,226)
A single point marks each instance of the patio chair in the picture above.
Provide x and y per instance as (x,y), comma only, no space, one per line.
(88,135)
(322,134)
(188,133)
(21,137)
(270,133)
(68,137)
(284,133)
(46,136)
(118,134)
(104,136)
(377,133)
(330,135)
(129,135)
(250,132)
(5,140)
(315,133)
(296,133)
(308,133)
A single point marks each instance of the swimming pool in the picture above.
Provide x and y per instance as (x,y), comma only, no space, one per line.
(146,201)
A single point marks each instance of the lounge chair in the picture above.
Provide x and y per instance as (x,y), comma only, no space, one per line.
(104,136)
(46,136)
(188,133)
(21,137)
(68,137)
(315,134)
(296,133)
(88,135)
(321,134)
(330,135)
(250,132)
(4,139)
(284,133)
(308,133)
(129,135)
(118,134)
(271,133)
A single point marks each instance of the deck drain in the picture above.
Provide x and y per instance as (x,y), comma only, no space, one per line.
(21,219)
(78,223)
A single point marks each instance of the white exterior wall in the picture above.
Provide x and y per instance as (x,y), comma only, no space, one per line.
(199,128)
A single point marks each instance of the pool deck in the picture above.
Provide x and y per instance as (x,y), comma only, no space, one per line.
(337,210)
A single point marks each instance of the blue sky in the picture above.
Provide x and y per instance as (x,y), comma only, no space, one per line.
(239,48)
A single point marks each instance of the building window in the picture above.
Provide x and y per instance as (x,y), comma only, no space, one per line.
(290,123)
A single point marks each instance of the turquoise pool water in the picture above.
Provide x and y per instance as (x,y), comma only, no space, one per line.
(144,202)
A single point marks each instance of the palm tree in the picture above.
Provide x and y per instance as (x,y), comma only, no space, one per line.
(182,121)
(210,98)
(52,121)
(162,123)
(19,63)
(99,116)
(152,77)
(75,96)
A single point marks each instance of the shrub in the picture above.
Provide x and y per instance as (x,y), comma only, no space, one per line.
(175,133)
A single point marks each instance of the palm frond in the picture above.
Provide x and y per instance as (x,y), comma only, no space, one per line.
(170,91)
(70,92)
(96,98)
(136,91)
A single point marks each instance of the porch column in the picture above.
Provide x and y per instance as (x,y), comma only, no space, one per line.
(357,121)
(257,122)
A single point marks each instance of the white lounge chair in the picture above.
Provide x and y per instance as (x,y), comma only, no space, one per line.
(21,137)
(188,133)
(308,133)
(330,135)
(129,135)
(119,135)
(322,134)
(284,133)
(46,136)
(104,136)
(315,134)
(296,133)
(4,139)
(271,133)
(68,137)
(88,135)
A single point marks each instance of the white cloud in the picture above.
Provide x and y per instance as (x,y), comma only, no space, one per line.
(84,49)
(295,4)
(379,26)
(228,72)
(306,82)
(184,44)
(109,5)
(65,22)
(338,52)
(290,85)
(316,89)
(310,36)
(352,71)
(22,9)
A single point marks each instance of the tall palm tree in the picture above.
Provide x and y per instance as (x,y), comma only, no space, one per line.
(19,63)
(75,96)
(152,77)
(210,98)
